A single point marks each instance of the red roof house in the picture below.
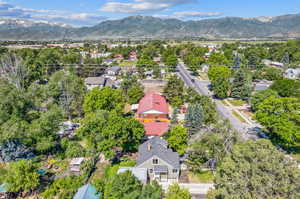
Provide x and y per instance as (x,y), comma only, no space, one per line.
(156,128)
(153,113)
(153,106)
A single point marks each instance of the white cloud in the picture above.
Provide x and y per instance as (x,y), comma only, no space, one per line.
(141,6)
(78,19)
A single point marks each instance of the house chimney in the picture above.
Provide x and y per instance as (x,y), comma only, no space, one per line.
(149,147)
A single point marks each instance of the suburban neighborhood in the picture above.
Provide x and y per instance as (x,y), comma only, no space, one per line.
(150,120)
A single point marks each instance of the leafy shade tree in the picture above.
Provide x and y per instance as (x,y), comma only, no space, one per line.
(103,99)
(221,88)
(287,87)
(177,138)
(171,63)
(151,191)
(176,192)
(243,173)
(268,73)
(123,185)
(21,176)
(63,187)
(174,91)
(68,91)
(209,108)
(260,96)
(241,85)
(135,94)
(194,118)
(108,132)
(217,59)
(209,150)
(219,76)
(43,131)
(281,117)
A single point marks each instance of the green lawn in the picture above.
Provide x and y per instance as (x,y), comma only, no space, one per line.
(235,102)
(201,177)
(127,63)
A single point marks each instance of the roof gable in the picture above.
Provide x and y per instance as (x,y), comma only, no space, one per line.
(154,102)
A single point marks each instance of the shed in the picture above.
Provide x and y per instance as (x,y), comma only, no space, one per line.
(75,164)
(87,191)
(140,173)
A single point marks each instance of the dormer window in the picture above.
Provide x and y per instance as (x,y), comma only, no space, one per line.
(155,161)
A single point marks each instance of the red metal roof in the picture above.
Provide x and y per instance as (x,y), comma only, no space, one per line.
(153,101)
(156,128)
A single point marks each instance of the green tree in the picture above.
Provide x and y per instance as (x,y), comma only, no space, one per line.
(103,99)
(260,96)
(123,185)
(209,107)
(135,94)
(177,138)
(287,87)
(176,192)
(108,132)
(194,118)
(281,117)
(221,88)
(21,176)
(257,170)
(174,91)
(241,85)
(217,59)
(217,72)
(64,187)
(151,191)
(68,91)
(171,63)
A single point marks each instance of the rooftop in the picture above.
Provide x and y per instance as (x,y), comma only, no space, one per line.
(156,128)
(95,80)
(153,101)
(87,191)
(157,147)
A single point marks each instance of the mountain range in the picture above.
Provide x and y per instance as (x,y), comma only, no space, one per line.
(136,27)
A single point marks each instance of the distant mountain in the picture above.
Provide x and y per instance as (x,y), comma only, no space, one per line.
(287,26)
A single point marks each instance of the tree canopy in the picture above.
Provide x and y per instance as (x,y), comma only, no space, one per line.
(255,169)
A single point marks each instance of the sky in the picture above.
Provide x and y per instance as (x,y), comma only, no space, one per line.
(91,12)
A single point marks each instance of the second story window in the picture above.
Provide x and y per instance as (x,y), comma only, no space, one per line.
(155,161)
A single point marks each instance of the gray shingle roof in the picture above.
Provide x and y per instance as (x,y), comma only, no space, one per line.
(114,69)
(139,173)
(160,168)
(95,80)
(159,148)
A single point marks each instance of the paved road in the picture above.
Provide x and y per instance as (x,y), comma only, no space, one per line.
(203,88)
(197,190)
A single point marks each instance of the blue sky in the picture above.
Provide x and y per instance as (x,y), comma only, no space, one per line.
(90,12)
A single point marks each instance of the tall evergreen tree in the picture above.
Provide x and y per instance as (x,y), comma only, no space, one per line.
(236,62)
(286,59)
(241,86)
(194,118)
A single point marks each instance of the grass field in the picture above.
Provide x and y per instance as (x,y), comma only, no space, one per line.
(201,177)
(235,102)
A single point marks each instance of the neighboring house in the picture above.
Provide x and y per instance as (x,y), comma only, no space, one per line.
(75,164)
(153,113)
(92,82)
(157,59)
(140,173)
(272,63)
(153,106)
(114,70)
(133,56)
(87,191)
(292,73)
(160,161)
(108,61)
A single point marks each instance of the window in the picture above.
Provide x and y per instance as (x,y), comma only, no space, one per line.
(174,170)
(151,171)
(155,161)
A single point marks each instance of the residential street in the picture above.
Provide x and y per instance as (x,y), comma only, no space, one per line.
(203,88)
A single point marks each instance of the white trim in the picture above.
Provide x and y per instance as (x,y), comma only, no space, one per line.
(152,112)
